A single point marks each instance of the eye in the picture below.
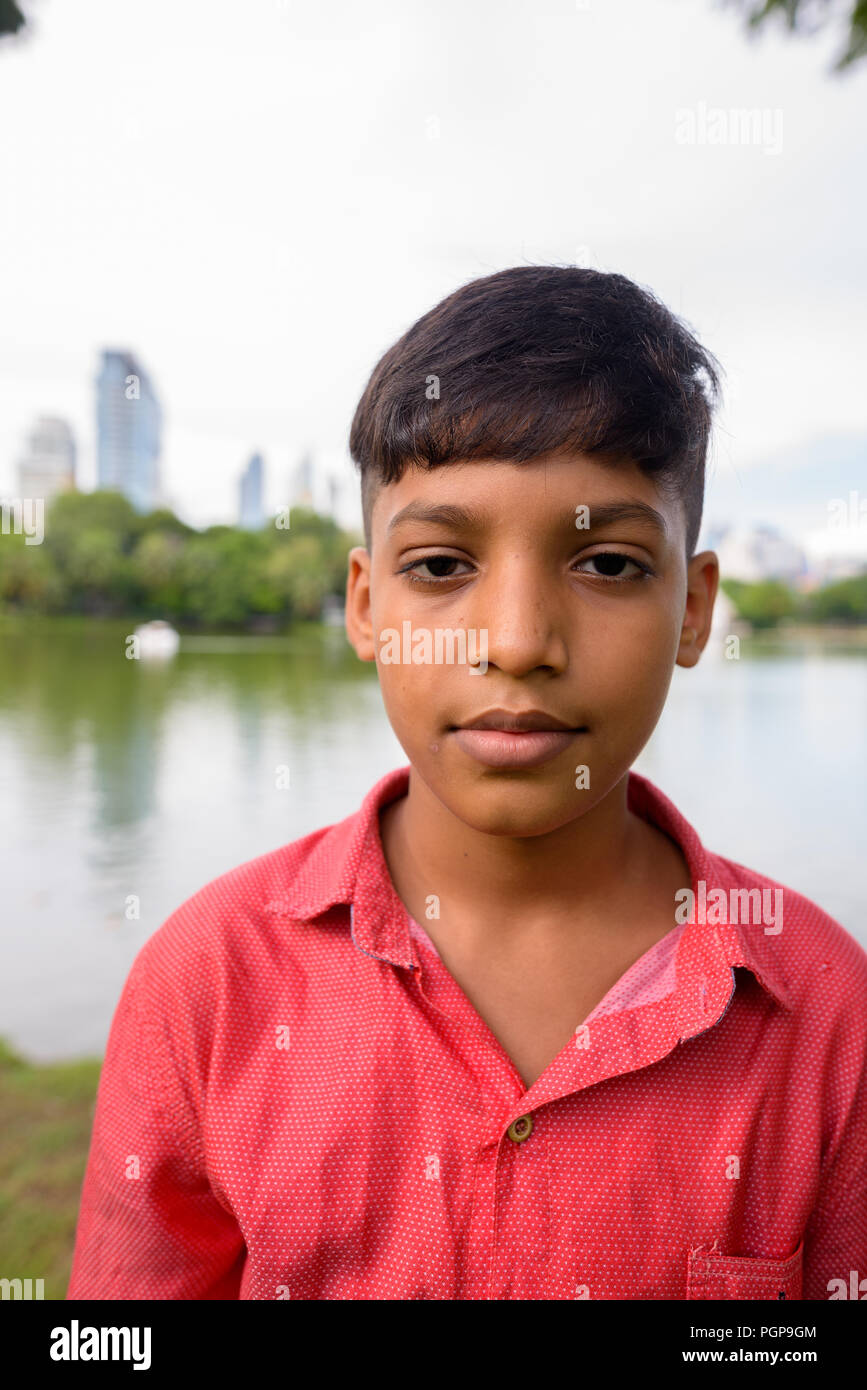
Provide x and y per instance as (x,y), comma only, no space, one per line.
(437,566)
(612,565)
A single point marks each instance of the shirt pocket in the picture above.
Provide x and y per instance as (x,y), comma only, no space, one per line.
(711,1275)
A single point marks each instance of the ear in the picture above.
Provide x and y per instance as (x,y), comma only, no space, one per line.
(702,582)
(359,624)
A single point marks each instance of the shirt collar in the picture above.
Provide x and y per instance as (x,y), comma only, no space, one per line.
(347,866)
(736,943)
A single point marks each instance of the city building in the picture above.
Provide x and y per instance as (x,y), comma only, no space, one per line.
(129,424)
(334,491)
(48,464)
(831,569)
(753,553)
(251,512)
(301,485)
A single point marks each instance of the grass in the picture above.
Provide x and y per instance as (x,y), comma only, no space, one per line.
(46,1114)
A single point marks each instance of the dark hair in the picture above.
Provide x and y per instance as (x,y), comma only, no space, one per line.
(535,359)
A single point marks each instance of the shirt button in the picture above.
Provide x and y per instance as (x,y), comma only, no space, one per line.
(520,1129)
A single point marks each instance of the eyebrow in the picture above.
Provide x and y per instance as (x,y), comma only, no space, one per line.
(605,513)
(461,518)
(436,514)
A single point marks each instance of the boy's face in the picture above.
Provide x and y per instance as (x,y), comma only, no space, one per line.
(571,581)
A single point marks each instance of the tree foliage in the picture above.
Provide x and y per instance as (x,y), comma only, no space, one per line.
(761,605)
(770,602)
(99,556)
(843,602)
(11,18)
(810,16)
(802,16)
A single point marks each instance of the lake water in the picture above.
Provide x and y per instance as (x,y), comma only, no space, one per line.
(121,777)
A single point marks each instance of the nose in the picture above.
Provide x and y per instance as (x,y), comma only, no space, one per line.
(524,619)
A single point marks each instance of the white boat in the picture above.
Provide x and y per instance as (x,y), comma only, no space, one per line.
(157,640)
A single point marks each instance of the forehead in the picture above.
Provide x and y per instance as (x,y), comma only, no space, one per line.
(502,495)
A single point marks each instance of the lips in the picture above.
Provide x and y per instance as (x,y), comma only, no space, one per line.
(504,738)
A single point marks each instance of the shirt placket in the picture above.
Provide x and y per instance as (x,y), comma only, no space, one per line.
(511,1244)
(511,1174)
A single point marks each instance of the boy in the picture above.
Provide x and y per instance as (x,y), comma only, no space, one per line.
(510,1031)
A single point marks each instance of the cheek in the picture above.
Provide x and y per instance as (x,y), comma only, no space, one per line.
(408,691)
(418,695)
(631,664)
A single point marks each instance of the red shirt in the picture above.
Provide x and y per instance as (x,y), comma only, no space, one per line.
(298,1101)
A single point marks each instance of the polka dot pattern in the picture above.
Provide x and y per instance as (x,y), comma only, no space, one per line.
(298,1101)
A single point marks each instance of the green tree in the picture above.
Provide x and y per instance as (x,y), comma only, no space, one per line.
(327,557)
(72,514)
(29,578)
(165,521)
(97,572)
(843,602)
(158,573)
(100,556)
(297,575)
(221,570)
(810,16)
(762,605)
(11,18)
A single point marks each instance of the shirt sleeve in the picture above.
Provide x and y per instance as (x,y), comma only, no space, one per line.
(835,1247)
(150,1224)
(835,1241)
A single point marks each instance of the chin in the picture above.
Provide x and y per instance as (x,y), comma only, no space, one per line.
(512,805)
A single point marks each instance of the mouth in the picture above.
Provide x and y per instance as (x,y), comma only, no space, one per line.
(504,738)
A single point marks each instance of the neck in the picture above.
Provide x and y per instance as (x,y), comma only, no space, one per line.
(505,879)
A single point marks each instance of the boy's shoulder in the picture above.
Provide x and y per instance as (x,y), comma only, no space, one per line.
(216,922)
(809,960)
(229,916)
(815,955)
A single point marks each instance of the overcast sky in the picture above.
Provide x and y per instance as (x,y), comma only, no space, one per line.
(258,199)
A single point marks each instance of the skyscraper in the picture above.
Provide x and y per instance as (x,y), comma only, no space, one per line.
(333,496)
(129,422)
(251,514)
(48,465)
(301,485)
